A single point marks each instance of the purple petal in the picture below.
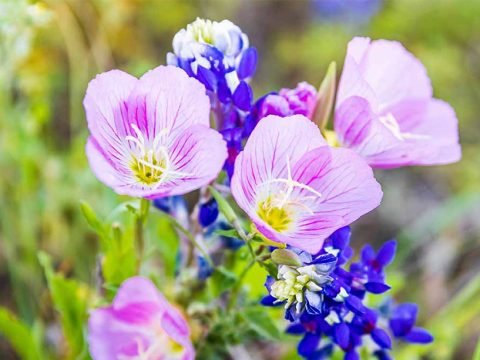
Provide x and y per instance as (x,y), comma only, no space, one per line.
(242,96)
(207,78)
(381,338)
(355,304)
(419,336)
(248,63)
(342,335)
(376,287)
(308,344)
(386,253)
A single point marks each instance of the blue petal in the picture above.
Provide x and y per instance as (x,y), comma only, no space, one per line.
(376,287)
(308,344)
(207,78)
(386,253)
(419,336)
(313,303)
(367,254)
(341,238)
(269,300)
(342,335)
(242,96)
(381,338)
(355,304)
(248,63)
(223,91)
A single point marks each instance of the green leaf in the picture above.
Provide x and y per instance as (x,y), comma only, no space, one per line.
(221,281)
(70,299)
(260,322)
(325,97)
(165,238)
(20,336)
(92,218)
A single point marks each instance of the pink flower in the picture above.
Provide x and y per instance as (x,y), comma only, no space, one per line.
(300,100)
(150,137)
(385,110)
(140,324)
(295,188)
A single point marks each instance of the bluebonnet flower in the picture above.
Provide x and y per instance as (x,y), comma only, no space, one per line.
(326,304)
(218,55)
(175,206)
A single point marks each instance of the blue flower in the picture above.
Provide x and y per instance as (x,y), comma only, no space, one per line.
(219,56)
(323,298)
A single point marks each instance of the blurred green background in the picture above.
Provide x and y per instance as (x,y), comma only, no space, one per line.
(49,51)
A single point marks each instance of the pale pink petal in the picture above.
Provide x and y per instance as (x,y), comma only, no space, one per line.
(273,141)
(105,169)
(348,190)
(393,73)
(435,137)
(385,111)
(106,110)
(167,99)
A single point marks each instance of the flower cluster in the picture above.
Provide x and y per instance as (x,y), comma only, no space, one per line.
(218,55)
(325,301)
(151,138)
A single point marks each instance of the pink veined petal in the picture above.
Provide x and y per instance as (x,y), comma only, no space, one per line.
(394,73)
(104,168)
(272,142)
(106,110)
(436,123)
(197,156)
(166,98)
(348,190)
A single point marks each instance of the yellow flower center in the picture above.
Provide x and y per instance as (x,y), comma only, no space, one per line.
(148,171)
(277,217)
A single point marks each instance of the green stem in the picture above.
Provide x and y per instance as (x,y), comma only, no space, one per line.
(139,224)
(190,238)
(236,289)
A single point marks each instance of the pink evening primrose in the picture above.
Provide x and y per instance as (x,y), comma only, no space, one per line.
(139,325)
(385,110)
(151,137)
(295,188)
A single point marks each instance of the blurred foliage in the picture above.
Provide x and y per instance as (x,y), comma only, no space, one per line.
(49,50)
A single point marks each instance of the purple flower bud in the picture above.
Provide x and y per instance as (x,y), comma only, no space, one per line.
(248,63)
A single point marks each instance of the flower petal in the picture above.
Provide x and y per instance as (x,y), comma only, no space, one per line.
(265,155)
(167,98)
(106,109)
